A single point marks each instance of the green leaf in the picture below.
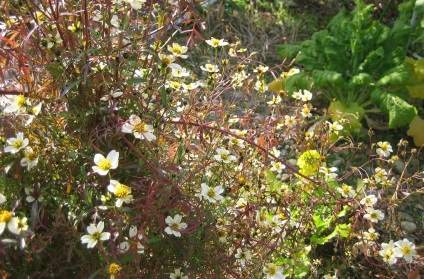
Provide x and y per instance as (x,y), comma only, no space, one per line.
(400,113)
(288,51)
(135,81)
(362,79)
(396,76)
(329,78)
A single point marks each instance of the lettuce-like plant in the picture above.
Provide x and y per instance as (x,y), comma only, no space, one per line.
(357,63)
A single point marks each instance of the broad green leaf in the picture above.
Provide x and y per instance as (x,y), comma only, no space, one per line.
(400,113)
(362,79)
(288,51)
(396,75)
(329,79)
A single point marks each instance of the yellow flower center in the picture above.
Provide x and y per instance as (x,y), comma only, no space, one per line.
(5,216)
(406,250)
(177,49)
(384,146)
(166,60)
(224,156)
(272,270)
(175,226)
(373,215)
(114,268)
(20,100)
(122,191)
(96,235)
(211,193)
(31,156)
(141,127)
(106,164)
(345,189)
(17,143)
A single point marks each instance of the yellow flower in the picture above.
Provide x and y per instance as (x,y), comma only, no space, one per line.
(309,162)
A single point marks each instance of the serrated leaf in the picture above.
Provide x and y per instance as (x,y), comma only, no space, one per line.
(400,113)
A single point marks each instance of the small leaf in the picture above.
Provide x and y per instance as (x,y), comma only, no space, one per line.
(135,81)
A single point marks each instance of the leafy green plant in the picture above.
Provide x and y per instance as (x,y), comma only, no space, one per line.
(357,63)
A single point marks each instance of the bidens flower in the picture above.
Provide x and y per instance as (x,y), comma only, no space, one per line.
(405,249)
(273,271)
(6,218)
(95,235)
(17,104)
(140,129)
(243,256)
(174,225)
(177,274)
(384,149)
(16,144)
(177,50)
(224,156)
(121,191)
(373,215)
(216,42)
(212,194)
(106,164)
(30,160)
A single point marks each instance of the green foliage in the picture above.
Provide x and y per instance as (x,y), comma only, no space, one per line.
(354,60)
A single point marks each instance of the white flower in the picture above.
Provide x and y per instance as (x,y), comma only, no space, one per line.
(346,191)
(369,200)
(17,104)
(371,236)
(140,129)
(114,21)
(212,194)
(384,149)
(35,110)
(121,191)
(306,96)
(277,166)
(224,156)
(6,218)
(95,234)
(177,274)
(177,50)
(126,245)
(233,141)
(335,127)
(380,175)
(273,271)
(216,42)
(243,256)
(388,252)
(135,4)
(329,173)
(275,100)
(276,223)
(31,196)
(260,86)
(329,276)
(18,226)
(30,160)
(114,94)
(106,164)
(373,215)
(289,121)
(174,225)
(2,198)
(16,144)
(405,249)
(210,68)
(180,72)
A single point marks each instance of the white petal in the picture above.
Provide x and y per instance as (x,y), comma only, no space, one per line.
(104,236)
(98,158)
(99,170)
(100,226)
